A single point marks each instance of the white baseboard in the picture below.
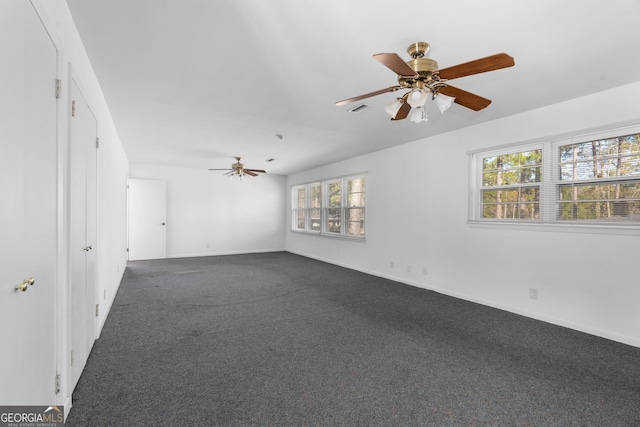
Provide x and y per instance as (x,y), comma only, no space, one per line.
(548,319)
(242,252)
(67,407)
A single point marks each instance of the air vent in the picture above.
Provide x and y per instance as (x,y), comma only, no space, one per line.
(358,108)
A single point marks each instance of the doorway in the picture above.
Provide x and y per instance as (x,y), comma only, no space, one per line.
(147,219)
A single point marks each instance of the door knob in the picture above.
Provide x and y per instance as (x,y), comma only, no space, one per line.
(25,284)
(88,248)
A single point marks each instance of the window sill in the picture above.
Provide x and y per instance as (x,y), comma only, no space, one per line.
(590,228)
(330,235)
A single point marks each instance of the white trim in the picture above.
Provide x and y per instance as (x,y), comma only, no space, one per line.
(557,227)
(209,254)
(331,235)
(67,403)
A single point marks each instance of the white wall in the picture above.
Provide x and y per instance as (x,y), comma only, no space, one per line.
(208,214)
(113,171)
(407,225)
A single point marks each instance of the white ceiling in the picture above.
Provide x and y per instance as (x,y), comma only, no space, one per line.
(194,82)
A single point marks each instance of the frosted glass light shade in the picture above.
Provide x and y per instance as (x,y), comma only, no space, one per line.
(417,98)
(419,115)
(393,108)
(443,102)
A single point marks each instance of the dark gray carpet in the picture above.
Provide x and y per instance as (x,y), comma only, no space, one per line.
(281,340)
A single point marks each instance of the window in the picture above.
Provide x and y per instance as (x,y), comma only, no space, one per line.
(306,207)
(511,185)
(315,221)
(591,179)
(333,207)
(299,193)
(600,180)
(354,207)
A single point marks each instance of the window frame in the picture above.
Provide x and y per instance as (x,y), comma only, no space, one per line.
(348,208)
(308,225)
(296,209)
(520,185)
(342,206)
(550,185)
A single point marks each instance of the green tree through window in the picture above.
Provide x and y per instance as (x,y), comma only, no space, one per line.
(597,175)
(511,187)
(587,179)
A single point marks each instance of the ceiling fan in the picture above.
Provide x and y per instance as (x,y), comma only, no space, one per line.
(238,169)
(423,78)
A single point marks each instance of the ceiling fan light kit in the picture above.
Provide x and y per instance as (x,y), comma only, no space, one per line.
(419,115)
(423,78)
(417,98)
(443,101)
(392,109)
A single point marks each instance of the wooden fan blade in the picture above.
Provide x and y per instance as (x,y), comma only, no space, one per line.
(490,63)
(393,62)
(466,99)
(256,170)
(248,172)
(403,112)
(367,95)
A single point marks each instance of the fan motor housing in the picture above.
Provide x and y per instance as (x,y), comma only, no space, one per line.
(424,67)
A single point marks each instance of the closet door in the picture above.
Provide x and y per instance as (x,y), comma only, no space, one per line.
(82,239)
(28,207)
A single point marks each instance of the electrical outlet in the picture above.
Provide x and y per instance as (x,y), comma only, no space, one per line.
(424,270)
(533,293)
(408,268)
(392,264)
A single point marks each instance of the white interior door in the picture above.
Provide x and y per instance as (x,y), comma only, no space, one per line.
(147,219)
(82,231)
(28,147)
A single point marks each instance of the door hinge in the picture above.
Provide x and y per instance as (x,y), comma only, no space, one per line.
(57,383)
(58,88)
(73,108)
(97,310)
(97,142)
